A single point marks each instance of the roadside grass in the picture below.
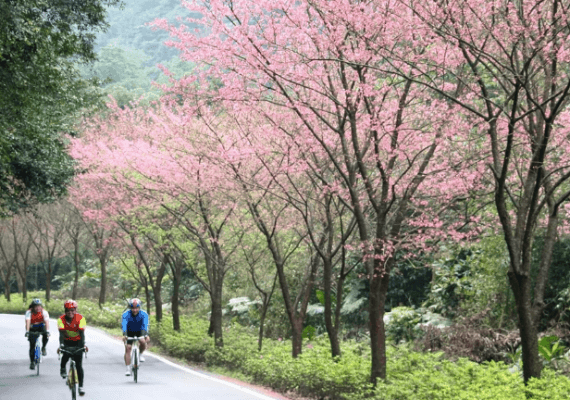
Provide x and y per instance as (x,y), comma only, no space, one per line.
(411,375)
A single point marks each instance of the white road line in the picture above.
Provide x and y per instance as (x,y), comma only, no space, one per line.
(104,335)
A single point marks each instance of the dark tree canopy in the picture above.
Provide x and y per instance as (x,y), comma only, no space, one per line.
(41,42)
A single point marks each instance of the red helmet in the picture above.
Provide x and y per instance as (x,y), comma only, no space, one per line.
(69,304)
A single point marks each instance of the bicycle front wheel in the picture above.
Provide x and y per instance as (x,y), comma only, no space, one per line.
(135,364)
(72,382)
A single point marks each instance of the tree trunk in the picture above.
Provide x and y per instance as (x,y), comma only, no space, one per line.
(261,327)
(48,284)
(75,283)
(216,316)
(297,337)
(76,264)
(22,282)
(331,328)
(532,365)
(103,290)
(158,300)
(7,289)
(176,269)
(377,299)
(175,309)
(25,288)
(147,295)
(19,288)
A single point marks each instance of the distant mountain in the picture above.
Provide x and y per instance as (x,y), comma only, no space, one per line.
(130,50)
(129,28)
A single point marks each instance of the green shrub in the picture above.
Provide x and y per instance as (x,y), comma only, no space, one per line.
(411,375)
(402,324)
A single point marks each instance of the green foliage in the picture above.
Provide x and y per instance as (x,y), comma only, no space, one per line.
(108,316)
(354,309)
(309,332)
(489,284)
(243,310)
(549,387)
(402,324)
(411,375)
(190,343)
(42,94)
(550,348)
(557,292)
(451,283)
(123,74)
(129,27)
(470,280)
(409,283)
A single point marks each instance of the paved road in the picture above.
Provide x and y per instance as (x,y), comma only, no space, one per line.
(104,372)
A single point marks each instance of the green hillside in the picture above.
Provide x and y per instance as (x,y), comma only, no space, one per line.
(129,51)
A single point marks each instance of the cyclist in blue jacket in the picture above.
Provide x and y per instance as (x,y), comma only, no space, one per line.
(135,323)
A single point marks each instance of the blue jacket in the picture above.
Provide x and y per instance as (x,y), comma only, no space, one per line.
(136,323)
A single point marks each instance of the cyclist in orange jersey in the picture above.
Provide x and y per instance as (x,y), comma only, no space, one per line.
(37,323)
(72,336)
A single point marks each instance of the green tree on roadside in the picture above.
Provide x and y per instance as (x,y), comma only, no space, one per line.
(42,93)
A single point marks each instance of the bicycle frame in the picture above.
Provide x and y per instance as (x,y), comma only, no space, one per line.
(135,355)
(72,380)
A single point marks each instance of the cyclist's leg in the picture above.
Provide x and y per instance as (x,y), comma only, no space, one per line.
(128,350)
(79,365)
(64,359)
(32,339)
(45,338)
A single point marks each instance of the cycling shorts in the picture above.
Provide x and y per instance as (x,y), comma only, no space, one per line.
(133,334)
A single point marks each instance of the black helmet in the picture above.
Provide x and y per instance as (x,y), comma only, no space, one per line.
(36,302)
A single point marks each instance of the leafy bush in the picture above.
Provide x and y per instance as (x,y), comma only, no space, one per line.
(402,324)
(411,375)
(16,305)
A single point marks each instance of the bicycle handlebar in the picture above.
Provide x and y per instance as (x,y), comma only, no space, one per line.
(136,338)
(70,352)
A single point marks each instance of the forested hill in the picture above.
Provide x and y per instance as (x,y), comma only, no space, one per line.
(129,51)
(129,28)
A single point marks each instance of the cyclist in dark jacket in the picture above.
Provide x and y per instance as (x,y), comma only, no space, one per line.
(135,323)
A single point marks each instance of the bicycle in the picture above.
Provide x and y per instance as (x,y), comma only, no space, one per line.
(135,356)
(72,380)
(38,352)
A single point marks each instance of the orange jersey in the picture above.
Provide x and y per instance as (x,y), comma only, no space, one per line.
(71,329)
(37,319)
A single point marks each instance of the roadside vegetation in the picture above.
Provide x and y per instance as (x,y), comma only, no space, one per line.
(413,374)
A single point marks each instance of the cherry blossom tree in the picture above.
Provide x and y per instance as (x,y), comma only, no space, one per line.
(91,198)
(504,65)
(51,239)
(8,253)
(307,69)
(158,159)
(255,256)
(16,252)
(151,259)
(77,233)
(280,190)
